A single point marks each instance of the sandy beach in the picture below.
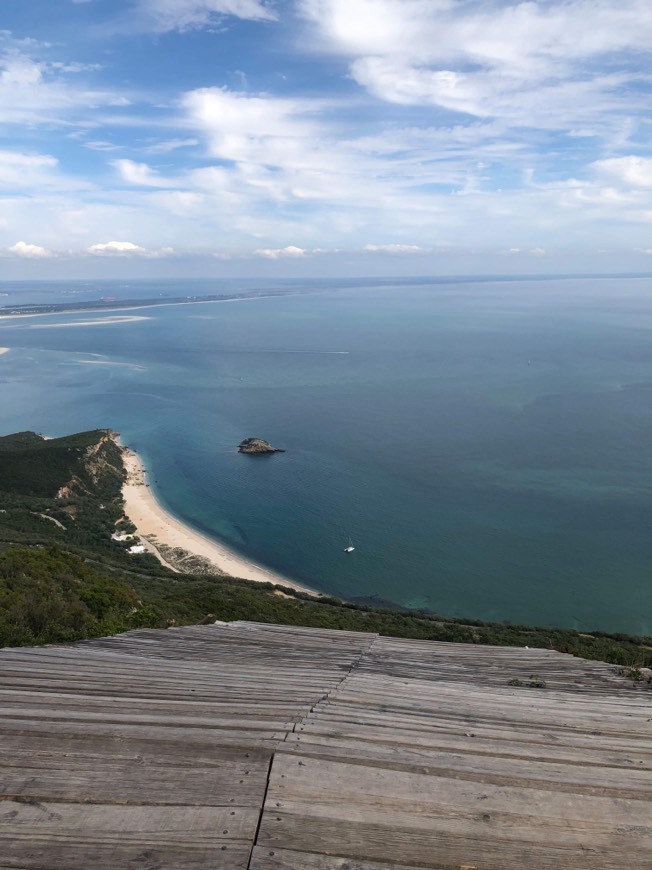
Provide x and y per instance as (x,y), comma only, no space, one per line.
(99,321)
(162,533)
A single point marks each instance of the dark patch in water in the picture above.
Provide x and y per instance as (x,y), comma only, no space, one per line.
(243,535)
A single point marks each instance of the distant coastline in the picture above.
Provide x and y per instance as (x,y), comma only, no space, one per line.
(100,305)
(177,545)
(106,304)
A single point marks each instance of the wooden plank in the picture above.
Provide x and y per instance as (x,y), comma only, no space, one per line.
(453,709)
(463,700)
(567,779)
(84,750)
(381,790)
(99,780)
(366,843)
(338,716)
(39,853)
(169,824)
(185,736)
(313,732)
(38,713)
(284,859)
(260,708)
(406,817)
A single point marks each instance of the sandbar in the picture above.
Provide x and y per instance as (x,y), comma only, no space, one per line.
(162,533)
(108,362)
(102,321)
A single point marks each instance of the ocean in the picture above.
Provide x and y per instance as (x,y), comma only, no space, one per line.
(486,444)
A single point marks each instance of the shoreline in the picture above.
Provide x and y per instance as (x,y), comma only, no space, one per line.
(139,306)
(173,542)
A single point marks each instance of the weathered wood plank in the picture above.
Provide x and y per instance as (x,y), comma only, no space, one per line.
(378,789)
(516,751)
(106,823)
(284,859)
(46,714)
(85,750)
(428,819)
(367,842)
(51,835)
(40,853)
(186,736)
(630,785)
(259,708)
(66,779)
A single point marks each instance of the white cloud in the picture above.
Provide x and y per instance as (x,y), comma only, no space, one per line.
(30,252)
(539,103)
(127,249)
(17,167)
(118,248)
(278,253)
(372,26)
(162,16)
(525,62)
(396,249)
(101,145)
(274,150)
(35,90)
(519,35)
(631,170)
(168,145)
(138,173)
(251,128)
(35,174)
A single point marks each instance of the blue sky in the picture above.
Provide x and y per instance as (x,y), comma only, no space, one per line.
(324,137)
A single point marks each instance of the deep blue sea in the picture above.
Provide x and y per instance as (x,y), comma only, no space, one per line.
(487,445)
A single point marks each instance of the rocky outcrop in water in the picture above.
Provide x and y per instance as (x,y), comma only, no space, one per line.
(257,447)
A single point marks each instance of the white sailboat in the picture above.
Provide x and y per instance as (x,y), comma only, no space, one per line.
(350,548)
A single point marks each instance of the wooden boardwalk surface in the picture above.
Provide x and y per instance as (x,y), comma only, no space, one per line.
(280,748)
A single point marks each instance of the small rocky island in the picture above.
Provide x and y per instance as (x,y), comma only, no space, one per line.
(257,447)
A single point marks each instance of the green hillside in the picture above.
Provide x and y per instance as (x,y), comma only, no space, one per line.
(65,492)
(62,578)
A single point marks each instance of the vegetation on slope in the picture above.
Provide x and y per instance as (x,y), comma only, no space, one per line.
(51,596)
(67,492)
(67,580)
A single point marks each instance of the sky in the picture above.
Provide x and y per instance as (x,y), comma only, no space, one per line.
(324,137)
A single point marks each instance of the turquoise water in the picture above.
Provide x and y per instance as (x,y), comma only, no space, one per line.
(486,445)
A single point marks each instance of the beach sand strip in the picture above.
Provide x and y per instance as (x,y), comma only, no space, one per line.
(177,545)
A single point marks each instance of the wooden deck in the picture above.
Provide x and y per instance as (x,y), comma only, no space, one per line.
(279,748)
